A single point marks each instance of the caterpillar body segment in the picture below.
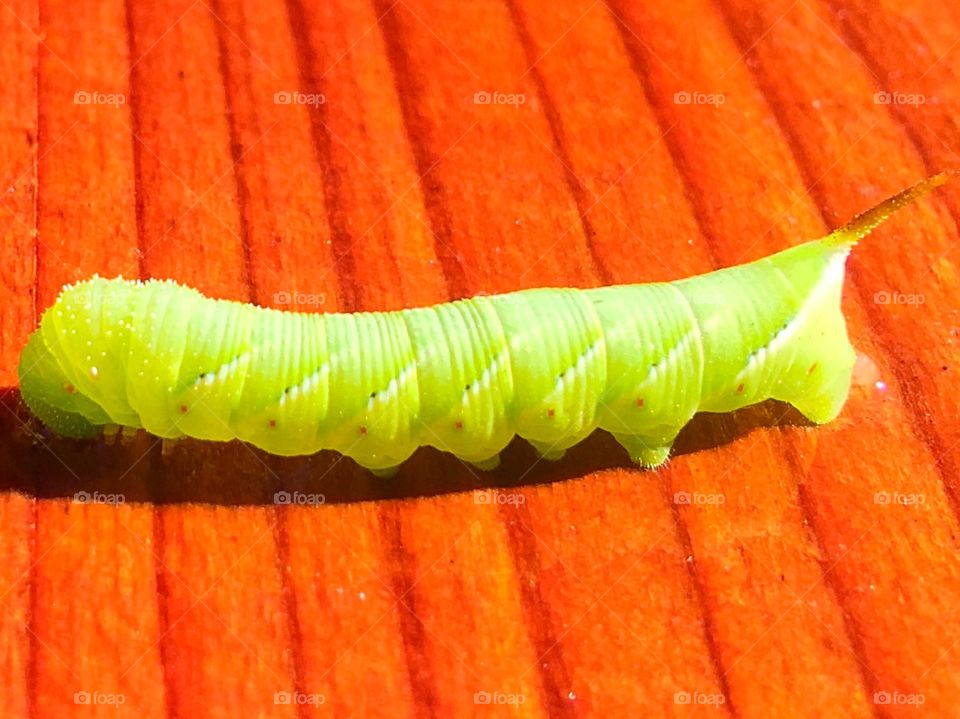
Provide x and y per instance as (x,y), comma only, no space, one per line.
(550,365)
(773,328)
(462,366)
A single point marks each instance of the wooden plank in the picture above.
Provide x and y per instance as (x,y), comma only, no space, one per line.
(341,156)
(513,225)
(191,230)
(91,542)
(341,603)
(863,548)
(736,559)
(19,24)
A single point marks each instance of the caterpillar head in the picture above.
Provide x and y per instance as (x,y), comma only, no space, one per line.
(65,367)
(51,396)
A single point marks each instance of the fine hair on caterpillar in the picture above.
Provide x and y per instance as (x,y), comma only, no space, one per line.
(550,365)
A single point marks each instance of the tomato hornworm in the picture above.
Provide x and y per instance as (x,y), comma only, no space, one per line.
(550,365)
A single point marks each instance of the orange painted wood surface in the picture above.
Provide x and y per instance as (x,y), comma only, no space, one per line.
(338,156)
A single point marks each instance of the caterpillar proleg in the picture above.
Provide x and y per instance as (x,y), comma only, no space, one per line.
(550,365)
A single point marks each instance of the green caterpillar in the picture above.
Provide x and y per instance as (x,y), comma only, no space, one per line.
(550,365)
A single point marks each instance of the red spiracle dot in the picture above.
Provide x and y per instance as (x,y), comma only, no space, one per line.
(740,388)
(640,402)
(69,388)
(272,424)
(363,429)
(551,412)
(458,424)
(183,409)
(812,368)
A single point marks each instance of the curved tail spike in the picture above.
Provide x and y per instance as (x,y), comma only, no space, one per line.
(864,223)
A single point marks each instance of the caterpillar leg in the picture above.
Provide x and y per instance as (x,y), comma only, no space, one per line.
(384,472)
(642,451)
(825,402)
(549,452)
(488,464)
(111,433)
(128,433)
